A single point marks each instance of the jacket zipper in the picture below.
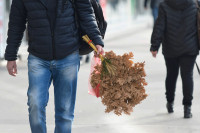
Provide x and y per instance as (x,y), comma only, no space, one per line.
(53,33)
(53,45)
(52,27)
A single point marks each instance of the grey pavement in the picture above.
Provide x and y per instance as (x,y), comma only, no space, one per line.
(148,117)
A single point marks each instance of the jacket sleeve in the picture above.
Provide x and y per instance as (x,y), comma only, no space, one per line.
(158,31)
(16,28)
(88,22)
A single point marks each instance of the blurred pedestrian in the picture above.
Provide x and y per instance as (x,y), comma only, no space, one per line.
(53,55)
(84,60)
(176,29)
(154,7)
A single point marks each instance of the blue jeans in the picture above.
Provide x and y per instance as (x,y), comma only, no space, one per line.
(63,73)
(155,13)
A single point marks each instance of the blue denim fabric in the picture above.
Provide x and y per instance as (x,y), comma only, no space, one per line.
(64,74)
(155,13)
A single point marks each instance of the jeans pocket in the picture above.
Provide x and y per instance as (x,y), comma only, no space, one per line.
(31,57)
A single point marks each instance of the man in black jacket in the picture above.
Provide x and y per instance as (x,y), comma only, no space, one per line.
(176,29)
(154,7)
(53,54)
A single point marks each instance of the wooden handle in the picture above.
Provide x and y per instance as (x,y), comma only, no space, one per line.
(87,40)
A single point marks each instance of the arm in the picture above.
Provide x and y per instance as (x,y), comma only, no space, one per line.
(158,31)
(88,22)
(17,25)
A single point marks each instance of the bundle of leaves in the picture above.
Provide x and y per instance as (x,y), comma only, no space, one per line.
(122,92)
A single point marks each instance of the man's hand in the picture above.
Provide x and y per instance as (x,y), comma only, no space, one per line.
(100,50)
(12,68)
(154,53)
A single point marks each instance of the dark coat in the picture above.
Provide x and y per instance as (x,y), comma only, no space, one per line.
(46,41)
(176,28)
(154,3)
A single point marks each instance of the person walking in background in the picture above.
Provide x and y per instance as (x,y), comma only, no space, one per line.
(53,55)
(154,7)
(84,60)
(176,29)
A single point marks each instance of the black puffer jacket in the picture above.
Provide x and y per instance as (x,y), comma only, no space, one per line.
(176,28)
(47,41)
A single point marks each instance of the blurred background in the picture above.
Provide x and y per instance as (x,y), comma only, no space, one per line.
(129,30)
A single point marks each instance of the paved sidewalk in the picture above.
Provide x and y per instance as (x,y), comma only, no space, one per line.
(148,117)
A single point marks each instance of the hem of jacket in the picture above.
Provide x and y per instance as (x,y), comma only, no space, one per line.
(50,59)
(176,56)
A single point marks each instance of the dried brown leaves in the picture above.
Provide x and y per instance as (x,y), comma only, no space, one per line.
(120,93)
